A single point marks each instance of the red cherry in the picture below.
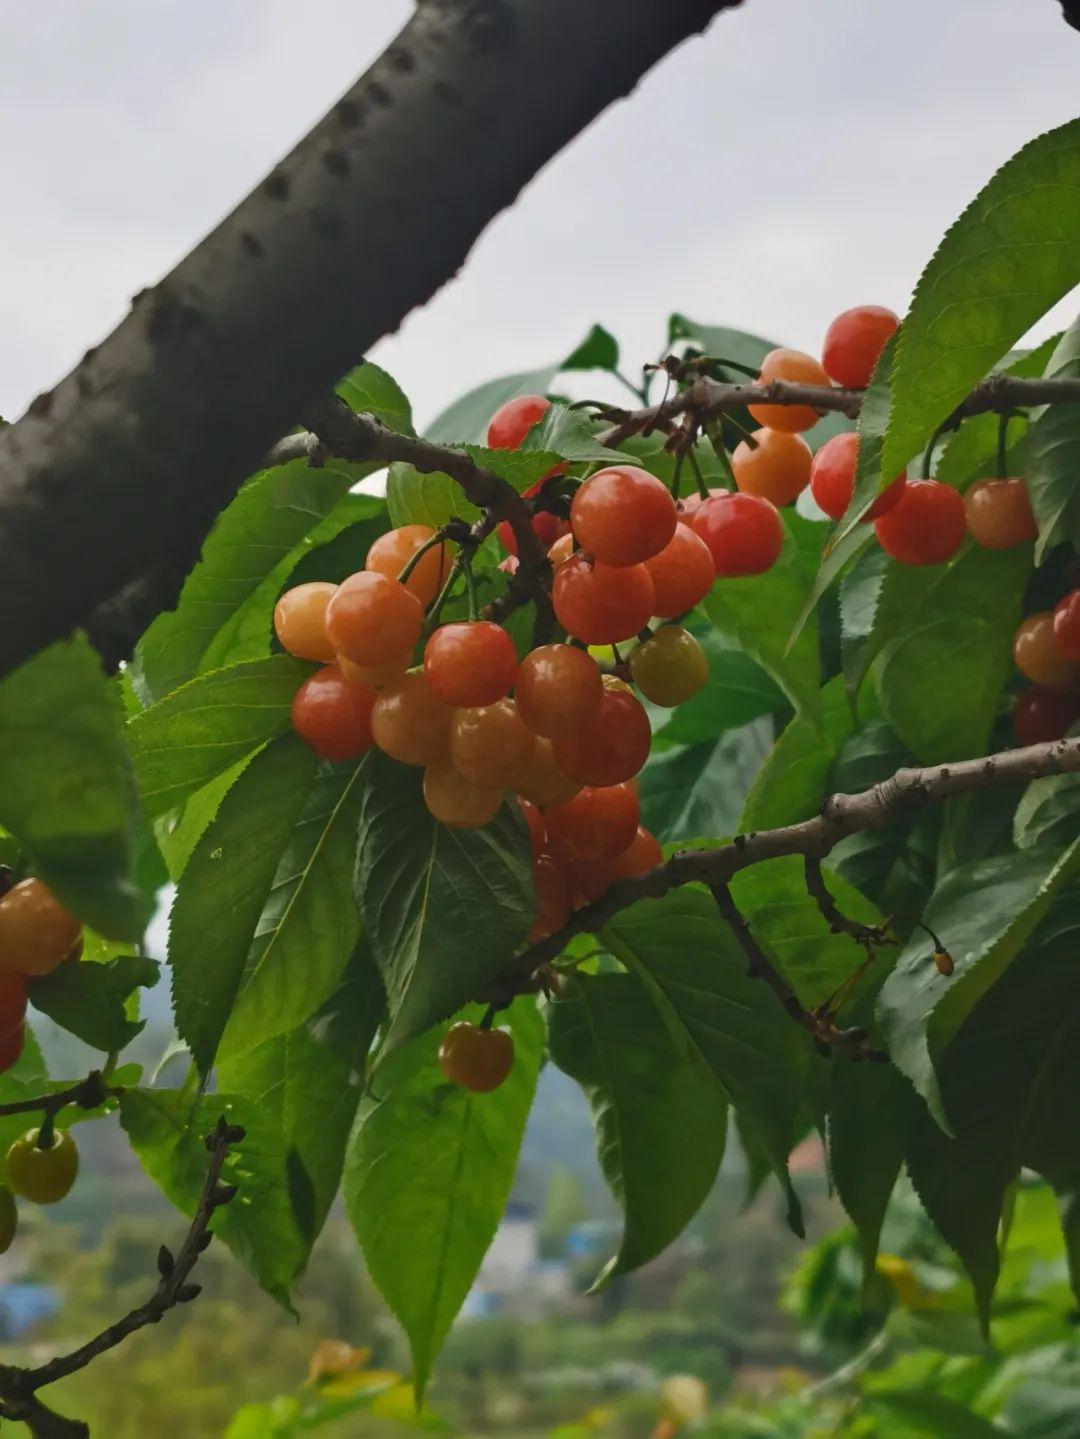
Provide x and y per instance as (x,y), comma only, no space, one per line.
(682,573)
(832,479)
(642,854)
(999,514)
(800,369)
(612,746)
(333,716)
(537,828)
(601,604)
(743,533)
(623,515)
(1038,655)
(511,422)
(557,688)
(926,526)
(373,620)
(853,343)
(596,823)
(554,895)
(470,663)
(391,552)
(411,724)
(1067,625)
(1041,715)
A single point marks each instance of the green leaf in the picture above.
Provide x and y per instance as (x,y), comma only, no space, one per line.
(66,790)
(1054,455)
(369,390)
(179,830)
(701,788)
(983,913)
(837,556)
(224,888)
(720,341)
(793,781)
(89,1000)
(413,498)
(599,350)
(309,925)
(1010,256)
(309,1088)
(874,416)
(1048,812)
(869,1116)
(730,1025)
(247,555)
(209,724)
(444,909)
(877,600)
(466,420)
(567,433)
(963,629)
(167,1132)
(427,1175)
(656,1114)
(759,613)
(926,1415)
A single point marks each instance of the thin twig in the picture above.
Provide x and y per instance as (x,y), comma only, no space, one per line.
(835,918)
(89,1093)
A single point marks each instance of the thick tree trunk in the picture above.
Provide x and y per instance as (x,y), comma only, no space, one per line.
(118,471)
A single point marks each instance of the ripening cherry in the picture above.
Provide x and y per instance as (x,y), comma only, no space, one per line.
(42,1173)
(670,668)
(472,662)
(682,573)
(623,515)
(544,783)
(456,801)
(12,1002)
(926,526)
(798,369)
(392,552)
(561,550)
(511,422)
(11,1048)
(546,527)
(598,823)
(776,466)
(36,932)
(410,723)
(1067,625)
(373,620)
(1036,653)
(476,1058)
(554,888)
(374,675)
(602,604)
(688,506)
(333,716)
(490,744)
(853,343)
(743,532)
(593,880)
(999,514)
(832,479)
(557,689)
(612,747)
(300,621)
(537,828)
(1041,715)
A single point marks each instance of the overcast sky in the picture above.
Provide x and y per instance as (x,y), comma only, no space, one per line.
(804,156)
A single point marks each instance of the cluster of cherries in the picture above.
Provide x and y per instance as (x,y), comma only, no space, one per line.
(37,935)
(1046,649)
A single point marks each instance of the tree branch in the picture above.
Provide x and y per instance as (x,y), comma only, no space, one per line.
(89,1093)
(18,1387)
(833,915)
(121,468)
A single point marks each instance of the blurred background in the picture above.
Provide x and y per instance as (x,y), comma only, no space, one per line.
(801,158)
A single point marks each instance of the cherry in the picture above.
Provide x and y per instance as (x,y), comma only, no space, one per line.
(544,783)
(12,1003)
(999,514)
(689,505)
(670,668)
(472,662)
(537,828)
(853,343)
(558,687)
(373,620)
(601,604)
(300,621)
(490,745)
(561,550)
(11,1048)
(598,823)
(36,932)
(623,515)
(41,1173)
(374,675)
(1067,625)
(511,422)
(800,369)
(476,1058)
(682,573)
(1041,715)
(832,479)
(777,466)
(391,553)
(410,723)
(641,855)
(612,747)
(554,888)
(546,527)
(1036,653)
(743,533)
(456,801)
(332,715)
(925,526)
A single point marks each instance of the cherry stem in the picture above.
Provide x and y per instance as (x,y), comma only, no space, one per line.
(418,554)
(489,1017)
(937,942)
(470,587)
(46,1132)
(444,594)
(748,435)
(720,451)
(675,478)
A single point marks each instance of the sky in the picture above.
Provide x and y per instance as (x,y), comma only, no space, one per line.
(804,156)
